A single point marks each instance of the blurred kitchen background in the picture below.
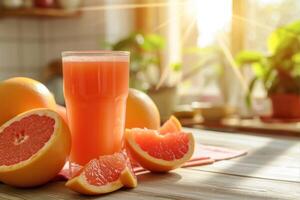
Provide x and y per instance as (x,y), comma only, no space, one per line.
(186,54)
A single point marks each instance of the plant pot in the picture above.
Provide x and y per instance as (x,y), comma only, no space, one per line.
(166,100)
(285,105)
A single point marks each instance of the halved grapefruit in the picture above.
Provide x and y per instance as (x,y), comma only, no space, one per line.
(33,148)
(160,150)
(106,174)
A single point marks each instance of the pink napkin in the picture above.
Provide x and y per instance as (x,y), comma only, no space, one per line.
(203,155)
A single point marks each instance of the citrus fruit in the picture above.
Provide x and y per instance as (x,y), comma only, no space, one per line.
(21,94)
(171,125)
(141,111)
(33,148)
(160,152)
(104,175)
(61,110)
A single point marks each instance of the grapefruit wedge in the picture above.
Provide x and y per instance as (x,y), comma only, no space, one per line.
(33,148)
(104,175)
(160,150)
(170,126)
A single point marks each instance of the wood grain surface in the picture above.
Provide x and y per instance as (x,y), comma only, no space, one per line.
(271,170)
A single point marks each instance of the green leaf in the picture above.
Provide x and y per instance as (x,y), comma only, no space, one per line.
(249,93)
(259,70)
(153,42)
(296,58)
(248,57)
(176,66)
(294,27)
(124,43)
(106,45)
(284,38)
(274,40)
(270,79)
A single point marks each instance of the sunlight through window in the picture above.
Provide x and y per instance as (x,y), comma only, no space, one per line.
(211,17)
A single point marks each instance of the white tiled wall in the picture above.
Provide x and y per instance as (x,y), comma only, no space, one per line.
(27,45)
(9,28)
(9,54)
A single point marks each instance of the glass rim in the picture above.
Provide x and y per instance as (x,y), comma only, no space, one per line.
(95,53)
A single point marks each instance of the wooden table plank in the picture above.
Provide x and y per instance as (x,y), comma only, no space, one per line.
(57,191)
(271,158)
(255,125)
(192,184)
(271,170)
(180,184)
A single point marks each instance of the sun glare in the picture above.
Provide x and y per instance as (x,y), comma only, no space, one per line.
(212,17)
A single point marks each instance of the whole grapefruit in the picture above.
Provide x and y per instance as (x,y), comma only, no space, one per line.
(62,111)
(21,94)
(34,147)
(141,111)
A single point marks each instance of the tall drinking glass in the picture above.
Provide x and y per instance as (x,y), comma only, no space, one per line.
(95,90)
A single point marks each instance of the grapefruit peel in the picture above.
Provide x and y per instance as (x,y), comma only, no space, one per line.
(171,125)
(156,164)
(79,182)
(46,163)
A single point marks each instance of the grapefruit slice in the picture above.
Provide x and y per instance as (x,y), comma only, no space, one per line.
(33,148)
(159,152)
(106,174)
(170,126)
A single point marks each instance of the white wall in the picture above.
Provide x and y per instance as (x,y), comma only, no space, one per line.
(27,45)
(119,23)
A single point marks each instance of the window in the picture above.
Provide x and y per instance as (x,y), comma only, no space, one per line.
(203,61)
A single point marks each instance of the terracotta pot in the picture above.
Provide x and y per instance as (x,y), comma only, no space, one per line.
(166,100)
(285,105)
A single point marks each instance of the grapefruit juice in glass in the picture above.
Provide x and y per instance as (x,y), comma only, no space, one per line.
(95,90)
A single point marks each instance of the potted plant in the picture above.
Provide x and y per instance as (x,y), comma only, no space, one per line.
(146,69)
(279,70)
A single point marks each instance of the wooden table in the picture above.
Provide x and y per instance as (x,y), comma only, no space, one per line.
(255,125)
(271,170)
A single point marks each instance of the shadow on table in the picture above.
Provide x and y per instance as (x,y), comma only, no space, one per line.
(158,177)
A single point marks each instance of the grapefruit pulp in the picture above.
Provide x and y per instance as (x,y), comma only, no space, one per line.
(21,94)
(33,148)
(103,175)
(160,152)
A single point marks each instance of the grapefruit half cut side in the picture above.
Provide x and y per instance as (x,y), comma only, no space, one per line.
(104,175)
(159,152)
(33,148)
